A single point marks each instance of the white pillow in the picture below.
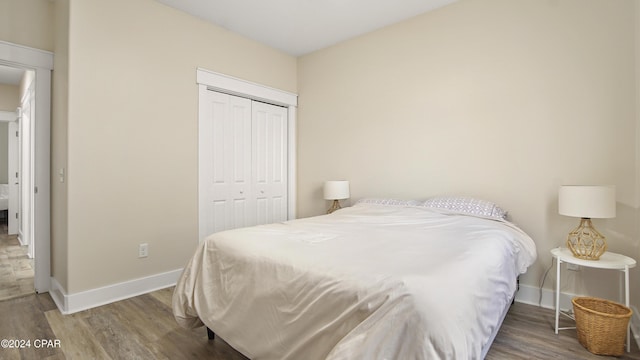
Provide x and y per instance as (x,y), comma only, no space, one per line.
(389,202)
(466,205)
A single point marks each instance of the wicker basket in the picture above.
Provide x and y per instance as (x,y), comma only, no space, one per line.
(601,325)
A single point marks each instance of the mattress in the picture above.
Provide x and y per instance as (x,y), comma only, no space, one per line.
(4,196)
(366,282)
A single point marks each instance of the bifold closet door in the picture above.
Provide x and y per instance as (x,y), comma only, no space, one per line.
(269,162)
(243,163)
(225,163)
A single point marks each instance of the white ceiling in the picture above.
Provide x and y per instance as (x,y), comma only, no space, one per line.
(10,75)
(298,27)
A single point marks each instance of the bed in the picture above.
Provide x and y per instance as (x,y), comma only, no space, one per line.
(4,197)
(383,279)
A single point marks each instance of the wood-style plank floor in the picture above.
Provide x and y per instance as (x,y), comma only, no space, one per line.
(143,328)
(16,269)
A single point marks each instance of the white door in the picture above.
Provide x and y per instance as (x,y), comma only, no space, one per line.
(242,164)
(269,129)
(12,165)
(25,169)
(225,163)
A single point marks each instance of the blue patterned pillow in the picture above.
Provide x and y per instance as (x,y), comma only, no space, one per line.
(466,205)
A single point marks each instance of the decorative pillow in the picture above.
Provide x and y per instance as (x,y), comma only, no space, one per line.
(389,202)
(466,205)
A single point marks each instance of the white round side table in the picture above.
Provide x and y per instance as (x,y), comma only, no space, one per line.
(608,260)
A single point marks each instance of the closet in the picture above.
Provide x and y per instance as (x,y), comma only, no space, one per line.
(243,162)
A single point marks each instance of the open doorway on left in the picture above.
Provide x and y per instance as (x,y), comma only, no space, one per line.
(16,255)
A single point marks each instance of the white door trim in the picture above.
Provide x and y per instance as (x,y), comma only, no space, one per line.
(12,178)
(8,116)
(234,86)
(42,63)
(209,80)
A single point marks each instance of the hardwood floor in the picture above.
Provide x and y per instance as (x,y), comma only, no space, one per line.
(528,333)
(138,328)
(16,269)
(144,328)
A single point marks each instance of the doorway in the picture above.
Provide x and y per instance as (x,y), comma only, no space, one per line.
(34,148)
(16,248)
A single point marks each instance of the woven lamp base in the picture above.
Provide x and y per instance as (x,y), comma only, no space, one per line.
(334,206)
(585,242)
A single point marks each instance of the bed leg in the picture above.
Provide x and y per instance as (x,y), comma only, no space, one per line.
(210,334)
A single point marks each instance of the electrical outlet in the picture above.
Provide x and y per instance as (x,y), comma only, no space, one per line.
(143,250)
(573,267)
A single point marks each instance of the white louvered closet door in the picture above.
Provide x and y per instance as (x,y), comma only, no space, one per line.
(243,163)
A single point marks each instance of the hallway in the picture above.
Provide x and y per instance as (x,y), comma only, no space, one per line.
(16,269)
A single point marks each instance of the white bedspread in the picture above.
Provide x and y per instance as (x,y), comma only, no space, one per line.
(366,282)
(4,196)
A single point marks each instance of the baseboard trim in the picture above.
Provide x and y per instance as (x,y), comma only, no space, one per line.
(531,295)
(57,293)
(72,303)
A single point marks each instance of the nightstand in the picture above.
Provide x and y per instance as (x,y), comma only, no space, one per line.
(608,260)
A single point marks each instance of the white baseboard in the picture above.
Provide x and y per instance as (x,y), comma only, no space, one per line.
(531,295)
(21,241)
(57,293)
(71,303)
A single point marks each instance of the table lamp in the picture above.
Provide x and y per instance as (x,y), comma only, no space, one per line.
(587,202)
(336,190)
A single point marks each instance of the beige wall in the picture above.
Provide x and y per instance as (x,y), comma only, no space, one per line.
(27,22)
(498,99)
(132,132)
(9,97)
(9,101)
(59,128)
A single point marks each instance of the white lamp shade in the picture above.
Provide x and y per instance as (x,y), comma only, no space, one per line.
(587,201)
(336,190)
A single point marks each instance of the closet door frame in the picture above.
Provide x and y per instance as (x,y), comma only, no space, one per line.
(209,80)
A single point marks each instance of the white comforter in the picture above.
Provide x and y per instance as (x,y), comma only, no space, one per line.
(366,282)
